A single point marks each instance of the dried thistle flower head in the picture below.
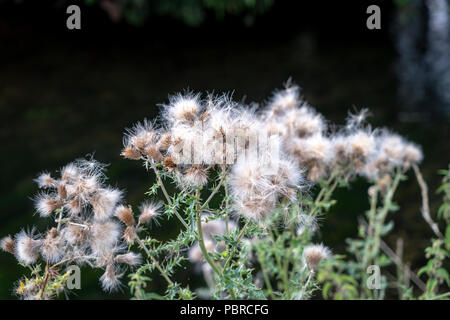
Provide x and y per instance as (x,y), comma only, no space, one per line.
(129,235)
(7,244)
(110,280)
(314,254)
(27,247)
(165,141)
(104,236)
(131,153)
(104,202)
(75,234)
(412,154)
(304,122)
(150,211)
(44,180)
(69,173)
(283,101)
(130,258)
(125,214)
(183,109)
(195,176)
(52,248)
(256,186)
(46,204)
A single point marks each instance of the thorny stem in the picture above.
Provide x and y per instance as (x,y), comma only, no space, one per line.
(425,207)
(382,215)
(305,286)
(201,240)
(284,277)
(155,262)
(216,189)
(163,188)
(371,227)
(265,275)
(44,284)
(226,208)
(237,240)
(325,192)
(69,259)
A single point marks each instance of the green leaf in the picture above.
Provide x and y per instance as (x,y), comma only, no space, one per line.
(447,238)
(444,275)
(325,289)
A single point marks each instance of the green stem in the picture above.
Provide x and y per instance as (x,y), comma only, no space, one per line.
(234,248)
(163,188)
(216,189)
(155,262)
(201,240)
(265,275)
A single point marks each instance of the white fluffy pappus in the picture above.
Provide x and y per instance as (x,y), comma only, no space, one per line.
(256,186)
(104,236)
(52,248)
(27,247)
(182,108)
(150,211)
(304,122)
(45,180)
(46,204)
(110,280)
(314,254)
(141,136)
(104,202)
(129,258)
(283,101)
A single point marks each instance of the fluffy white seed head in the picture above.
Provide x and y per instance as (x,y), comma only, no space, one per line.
(314,254)
(46,204)
(110,280)
(75,234)
(195,176)
(150,211)
(283,101)
(52,248)
(125,214)
(27,247)
(7,244)
(45,180)
(130,258)
(304,122)
(183,109)
(104,202)
(104,236)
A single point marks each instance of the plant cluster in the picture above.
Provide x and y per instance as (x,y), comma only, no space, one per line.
(251,184)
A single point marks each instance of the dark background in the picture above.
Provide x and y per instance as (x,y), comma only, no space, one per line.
(68,93)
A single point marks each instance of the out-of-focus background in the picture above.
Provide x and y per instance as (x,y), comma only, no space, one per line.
(67,93)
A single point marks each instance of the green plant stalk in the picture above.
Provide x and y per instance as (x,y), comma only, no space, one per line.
(163,188)
(283,276)
(265,275)
(383,213)
(155,262)
(227,263)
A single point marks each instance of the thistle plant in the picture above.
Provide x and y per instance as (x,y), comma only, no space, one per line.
(248,186)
